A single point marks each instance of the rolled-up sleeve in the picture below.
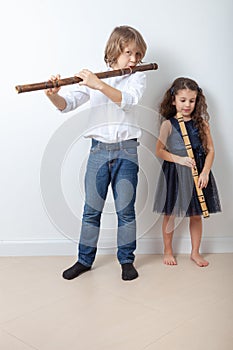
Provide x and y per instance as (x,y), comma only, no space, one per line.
(75,99)
(134,90)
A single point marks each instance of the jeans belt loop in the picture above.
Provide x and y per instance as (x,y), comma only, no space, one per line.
(118,145)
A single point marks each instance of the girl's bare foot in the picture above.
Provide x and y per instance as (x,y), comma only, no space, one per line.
(168,259)
(199,260)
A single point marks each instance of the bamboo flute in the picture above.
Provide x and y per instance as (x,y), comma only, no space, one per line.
(74,80)
(195,174)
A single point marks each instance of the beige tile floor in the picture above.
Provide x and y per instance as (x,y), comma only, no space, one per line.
(179,308)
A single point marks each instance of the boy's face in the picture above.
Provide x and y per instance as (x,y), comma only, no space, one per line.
(128,58)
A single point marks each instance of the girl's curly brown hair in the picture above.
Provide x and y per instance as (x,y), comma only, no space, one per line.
(200,115)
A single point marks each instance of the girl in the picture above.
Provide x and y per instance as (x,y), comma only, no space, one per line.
(176,194)
(113,154)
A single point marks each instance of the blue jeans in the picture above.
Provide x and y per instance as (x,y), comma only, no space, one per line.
(115,163)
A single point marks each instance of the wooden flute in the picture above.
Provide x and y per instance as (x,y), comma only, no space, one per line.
(195,175)
(74,80)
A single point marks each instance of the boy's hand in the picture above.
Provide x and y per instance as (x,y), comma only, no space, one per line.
(89,79)
(53,91)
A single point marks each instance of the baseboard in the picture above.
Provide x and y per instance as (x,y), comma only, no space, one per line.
(65,247)
(182,245)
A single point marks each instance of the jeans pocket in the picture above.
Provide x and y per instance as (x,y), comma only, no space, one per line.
(95,149)
(132,151)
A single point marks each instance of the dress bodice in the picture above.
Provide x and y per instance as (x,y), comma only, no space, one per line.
(175,143)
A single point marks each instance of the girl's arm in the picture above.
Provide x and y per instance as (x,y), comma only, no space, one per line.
(204,175)
(161,151)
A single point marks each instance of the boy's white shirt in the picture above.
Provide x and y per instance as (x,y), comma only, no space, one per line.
(107,121)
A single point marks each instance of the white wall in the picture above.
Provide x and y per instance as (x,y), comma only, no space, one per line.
(40,38)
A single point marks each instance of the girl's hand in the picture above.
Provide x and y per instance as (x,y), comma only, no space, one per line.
(53,91)
(89,79)
(187,161)
(203,180)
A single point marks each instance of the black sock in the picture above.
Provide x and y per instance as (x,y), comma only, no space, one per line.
(129,272)
(75,270)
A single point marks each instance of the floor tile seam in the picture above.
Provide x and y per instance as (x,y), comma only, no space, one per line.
(135,302)
(163,336)
(37,309)
(195,315)
(29,312)
(18,339)
(144,304)
(180,324)
(202,312)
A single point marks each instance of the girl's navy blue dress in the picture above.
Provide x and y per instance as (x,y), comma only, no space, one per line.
(176,192)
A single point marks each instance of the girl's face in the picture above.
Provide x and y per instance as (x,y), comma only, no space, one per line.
(128,58)
(185,101)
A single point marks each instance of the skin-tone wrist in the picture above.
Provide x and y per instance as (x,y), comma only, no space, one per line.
(112,93)
(205,172)
(56,99)
(92,81)
(53,95)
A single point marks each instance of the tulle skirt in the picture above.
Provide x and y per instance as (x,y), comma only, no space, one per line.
(176,193)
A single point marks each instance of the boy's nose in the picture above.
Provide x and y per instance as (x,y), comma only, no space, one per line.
(133,58)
